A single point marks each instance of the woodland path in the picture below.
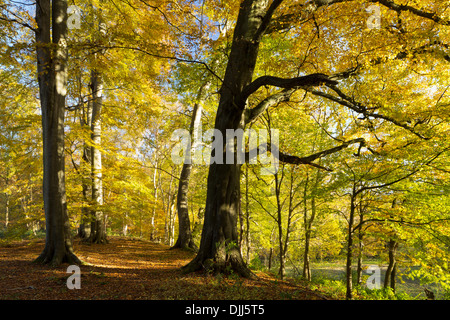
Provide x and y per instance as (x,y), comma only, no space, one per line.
(128,269)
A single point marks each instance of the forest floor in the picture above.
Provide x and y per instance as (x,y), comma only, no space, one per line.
(128,269)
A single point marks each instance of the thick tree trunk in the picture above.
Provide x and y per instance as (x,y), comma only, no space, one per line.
(219,249)
(185,239)
(52,77)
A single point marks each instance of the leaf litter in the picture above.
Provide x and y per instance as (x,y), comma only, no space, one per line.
(127,269)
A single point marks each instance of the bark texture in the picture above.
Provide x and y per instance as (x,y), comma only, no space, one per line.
(219,246)
(52,78)
(98,223)
(185,239)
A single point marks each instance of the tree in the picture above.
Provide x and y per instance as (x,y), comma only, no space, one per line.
(219,236)
(185,239)
(52,77)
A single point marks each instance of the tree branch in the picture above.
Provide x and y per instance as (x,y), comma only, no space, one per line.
(346,101)
(252,114)
(267,19)
(401,221)
(403,7)
(315,79)
(309,159)
(284,21)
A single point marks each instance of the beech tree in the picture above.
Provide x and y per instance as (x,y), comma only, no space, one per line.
(218,246)
(52,77)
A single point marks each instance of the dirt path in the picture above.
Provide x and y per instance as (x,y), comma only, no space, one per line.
(129,269)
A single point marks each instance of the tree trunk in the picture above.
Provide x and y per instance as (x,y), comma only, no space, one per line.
(6,211)
(270,258)
(308,224)
(348,268)
(247,216)
(153,233)
(84,230)
(185,239)
(98,223)
(389,279)
(52,78)
(359,269)
(282,256)
(219,249)
(306,266)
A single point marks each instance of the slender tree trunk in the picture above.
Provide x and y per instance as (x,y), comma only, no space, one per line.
(270,258)
(84,230)
(393,277)
(52,78)
(348,268)
(185,239)
(308,223)
(389,279)
(306,263)
(125,225)
(6,211)
(247,216)
(153,233)
(98,223)
(359,263)
(282,254)
(359,269)
(219,244)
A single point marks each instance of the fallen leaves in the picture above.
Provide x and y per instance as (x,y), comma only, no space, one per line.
(130,269)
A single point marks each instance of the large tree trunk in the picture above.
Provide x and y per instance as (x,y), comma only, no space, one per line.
(185,239)
(219,248)
(52,77)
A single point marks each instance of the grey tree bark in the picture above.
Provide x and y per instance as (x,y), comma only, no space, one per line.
(84,230)
(219,243)
(389,278)
(185,239)
(52,78)
(348,266)
(98,223)
(219,246)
